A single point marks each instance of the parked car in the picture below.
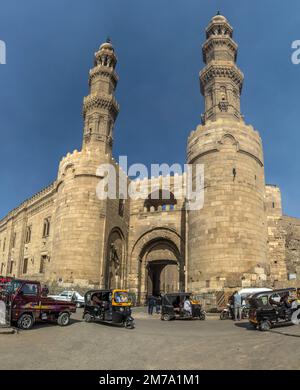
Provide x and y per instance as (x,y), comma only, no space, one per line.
(24,305)
(69,296)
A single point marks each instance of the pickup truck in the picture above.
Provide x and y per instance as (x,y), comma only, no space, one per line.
(25,305)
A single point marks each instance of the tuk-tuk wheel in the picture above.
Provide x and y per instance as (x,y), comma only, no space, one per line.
(202,317)
(63,319)
(224,315)
(265,326)
(129,324)
(165,317)
(25,322)
(87,317)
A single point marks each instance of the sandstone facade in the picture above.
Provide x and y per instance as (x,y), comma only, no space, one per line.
(66,236)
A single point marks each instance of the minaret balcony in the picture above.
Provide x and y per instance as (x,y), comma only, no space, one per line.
(102,101)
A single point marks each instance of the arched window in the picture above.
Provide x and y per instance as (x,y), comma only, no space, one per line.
(46,227)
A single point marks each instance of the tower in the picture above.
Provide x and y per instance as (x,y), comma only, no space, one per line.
(227,238)
(80,217)
(221,80)
(100,108)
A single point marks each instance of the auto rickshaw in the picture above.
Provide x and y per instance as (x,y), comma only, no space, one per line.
(108,306)
(173,307)
(273,308)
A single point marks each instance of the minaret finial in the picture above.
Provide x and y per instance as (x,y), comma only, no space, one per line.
(218,13)
(108,39)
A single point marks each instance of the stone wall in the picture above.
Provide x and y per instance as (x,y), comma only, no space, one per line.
(276,236)
(30,214)
(291,227)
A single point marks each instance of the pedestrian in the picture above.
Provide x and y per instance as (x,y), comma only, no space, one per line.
(231,306)
(151,303)
(158,304)
(237,302)
(45,291)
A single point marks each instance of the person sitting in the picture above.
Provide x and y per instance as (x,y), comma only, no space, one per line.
(187,306)
(96,301)
(286,305)
(45,291)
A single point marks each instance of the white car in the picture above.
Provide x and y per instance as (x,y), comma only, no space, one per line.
(69,296)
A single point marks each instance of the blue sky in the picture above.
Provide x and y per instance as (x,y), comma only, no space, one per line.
(50,46)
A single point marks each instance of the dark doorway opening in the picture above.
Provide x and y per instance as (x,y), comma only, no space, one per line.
(163,277)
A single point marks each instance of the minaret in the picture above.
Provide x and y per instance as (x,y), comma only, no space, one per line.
(100,108)
(227,238)
(221,80)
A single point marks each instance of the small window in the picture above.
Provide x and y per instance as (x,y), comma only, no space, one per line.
(25,266)
(14,240)
(273,205)
(121,207)
(4,244)
(11,267)
(42,264)
(46,228)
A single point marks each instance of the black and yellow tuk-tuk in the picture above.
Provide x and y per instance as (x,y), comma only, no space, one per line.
(273,308)
(181,305)
(109,306)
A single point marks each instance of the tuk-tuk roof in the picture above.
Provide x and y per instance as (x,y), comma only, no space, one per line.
(255,301)
(278,291)
(253,290)
(105,291)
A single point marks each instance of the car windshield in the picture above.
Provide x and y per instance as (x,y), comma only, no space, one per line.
(64,294)
(121,297)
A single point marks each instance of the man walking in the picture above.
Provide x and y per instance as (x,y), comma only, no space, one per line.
(237,301)
(158,303)
(151,303)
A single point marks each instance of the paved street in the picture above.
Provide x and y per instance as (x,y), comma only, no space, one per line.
(154,344)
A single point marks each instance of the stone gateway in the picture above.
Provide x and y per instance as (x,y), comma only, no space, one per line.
(67,237)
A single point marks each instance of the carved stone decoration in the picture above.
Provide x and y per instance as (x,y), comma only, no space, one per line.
(223,105)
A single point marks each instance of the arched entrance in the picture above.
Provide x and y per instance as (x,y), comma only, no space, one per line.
(157,263)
